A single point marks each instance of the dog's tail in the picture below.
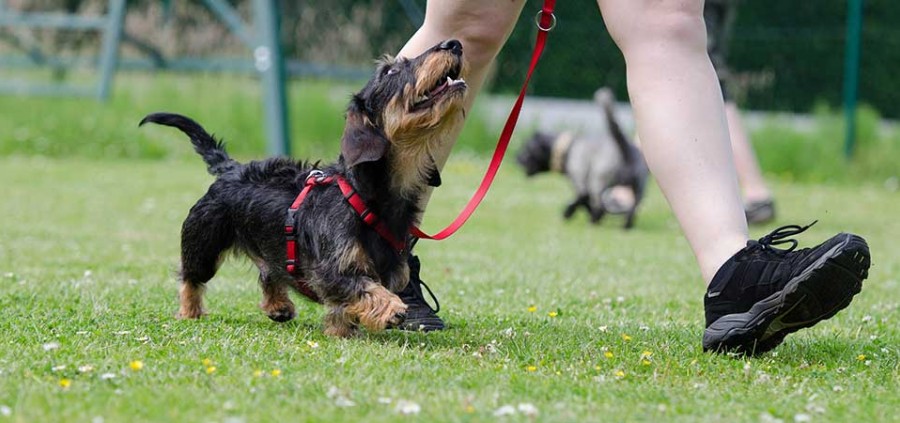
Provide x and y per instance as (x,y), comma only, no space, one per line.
(605,97)
(212,151)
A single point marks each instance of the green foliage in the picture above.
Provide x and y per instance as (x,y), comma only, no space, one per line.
(229,106)
(817,154)
(795,48)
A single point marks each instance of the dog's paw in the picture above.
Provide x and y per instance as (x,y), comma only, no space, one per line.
(282,315)
(396,320)
(190,313)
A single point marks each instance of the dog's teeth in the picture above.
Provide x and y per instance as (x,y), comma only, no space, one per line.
(449,80)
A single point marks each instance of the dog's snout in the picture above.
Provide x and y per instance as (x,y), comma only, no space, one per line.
(453,45)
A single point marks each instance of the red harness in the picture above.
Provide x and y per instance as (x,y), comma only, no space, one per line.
(317,178)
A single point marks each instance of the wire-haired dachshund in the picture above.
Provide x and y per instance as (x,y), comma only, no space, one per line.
(351,260)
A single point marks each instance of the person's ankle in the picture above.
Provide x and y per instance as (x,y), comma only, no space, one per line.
(712,261)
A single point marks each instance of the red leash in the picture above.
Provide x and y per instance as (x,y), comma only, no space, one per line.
(545,22)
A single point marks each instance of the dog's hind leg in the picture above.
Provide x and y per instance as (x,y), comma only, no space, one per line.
(629,219)
(276,302)
(205,235)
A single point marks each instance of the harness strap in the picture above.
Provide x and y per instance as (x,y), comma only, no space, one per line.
(317,178)
(368,216)
(545,22)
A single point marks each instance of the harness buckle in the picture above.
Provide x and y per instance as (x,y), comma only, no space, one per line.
(315,176)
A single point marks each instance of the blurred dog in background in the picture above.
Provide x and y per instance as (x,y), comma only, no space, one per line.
(594,164)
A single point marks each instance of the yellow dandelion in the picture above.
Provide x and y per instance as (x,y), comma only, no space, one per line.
(276,372)
(470,409)
(65,383)
(257,373)
(210,369)
(625,337)
(620,374)
(532,309)
(597,367)
(645,362)
(608,354)
(646,354)
(207,362)
(531,368)
(861,357)
(553,314)
(136,365)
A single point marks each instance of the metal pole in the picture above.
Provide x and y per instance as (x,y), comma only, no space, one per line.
(851,73)
(270,64)
(112,35)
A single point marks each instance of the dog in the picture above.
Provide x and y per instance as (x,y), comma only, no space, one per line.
(594,165)
(352,263)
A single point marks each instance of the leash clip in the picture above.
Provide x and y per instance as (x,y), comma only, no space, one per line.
(539,16)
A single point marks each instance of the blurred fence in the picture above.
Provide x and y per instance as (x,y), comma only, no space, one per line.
(787,55)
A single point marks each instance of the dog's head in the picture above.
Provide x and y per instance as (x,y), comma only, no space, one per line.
(407,105)
(536,153)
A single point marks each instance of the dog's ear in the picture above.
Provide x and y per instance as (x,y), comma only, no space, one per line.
(362,141)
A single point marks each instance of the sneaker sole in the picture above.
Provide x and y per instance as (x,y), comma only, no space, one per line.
(824,288)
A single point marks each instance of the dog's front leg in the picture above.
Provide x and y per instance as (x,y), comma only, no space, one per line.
(375,307)
(338,322)
(581,200)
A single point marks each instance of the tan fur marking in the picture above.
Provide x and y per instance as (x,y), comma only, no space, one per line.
(276,300)
(338,323)
(191,301)
(413,135)
(353,259)
(377,308)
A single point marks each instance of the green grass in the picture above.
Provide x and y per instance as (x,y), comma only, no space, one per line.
(226,105)
(88,249)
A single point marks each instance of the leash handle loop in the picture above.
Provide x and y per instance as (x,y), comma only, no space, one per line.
(546,21)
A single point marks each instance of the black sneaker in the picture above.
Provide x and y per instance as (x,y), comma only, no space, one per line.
(759,212)
(762,294)
(420,316)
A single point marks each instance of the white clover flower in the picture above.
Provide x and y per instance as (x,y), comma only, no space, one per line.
(506,410)
(407,407)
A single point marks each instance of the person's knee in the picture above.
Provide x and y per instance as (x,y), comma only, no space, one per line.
(662,28)
(482,42)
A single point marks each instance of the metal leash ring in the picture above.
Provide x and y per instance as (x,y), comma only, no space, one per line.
(537,21)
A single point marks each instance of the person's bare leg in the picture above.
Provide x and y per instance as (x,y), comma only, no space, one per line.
(483,28)
(681,118)
(749,173)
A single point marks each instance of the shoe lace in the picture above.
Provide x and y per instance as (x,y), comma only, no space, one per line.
(780,236)
(420,283)
(437,304)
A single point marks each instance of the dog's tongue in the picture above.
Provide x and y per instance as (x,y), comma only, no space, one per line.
(440,88)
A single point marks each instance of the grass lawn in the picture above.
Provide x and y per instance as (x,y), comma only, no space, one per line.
(581,323)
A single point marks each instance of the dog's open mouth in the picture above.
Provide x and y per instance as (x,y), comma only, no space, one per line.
(449,83)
